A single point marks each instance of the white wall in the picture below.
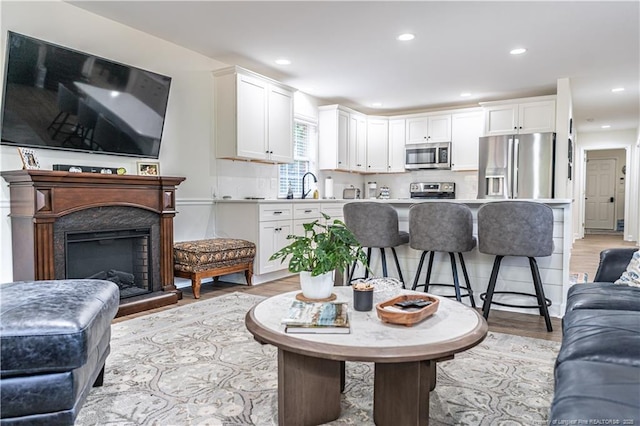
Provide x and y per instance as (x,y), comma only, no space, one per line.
(186,148)
(623,139)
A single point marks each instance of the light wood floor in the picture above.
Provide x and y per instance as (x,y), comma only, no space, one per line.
(585,258)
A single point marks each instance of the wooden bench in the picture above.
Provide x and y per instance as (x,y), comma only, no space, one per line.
(215,257)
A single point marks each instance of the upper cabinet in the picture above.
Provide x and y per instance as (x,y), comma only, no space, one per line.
(395,163)
(333,138)
(428,128)
(466,130)
(530,115)
(254,117)
(377,144)
(357,142)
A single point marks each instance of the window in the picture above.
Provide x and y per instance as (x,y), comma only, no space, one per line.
(304,134)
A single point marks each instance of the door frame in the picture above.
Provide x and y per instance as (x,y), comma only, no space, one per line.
(582,183)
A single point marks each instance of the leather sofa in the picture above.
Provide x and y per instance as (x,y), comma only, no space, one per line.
(54,340)
(597,372)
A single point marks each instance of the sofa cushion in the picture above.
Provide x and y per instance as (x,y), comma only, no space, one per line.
(603,296)
(50,326)
(601,335)
(631,276)
(591,391)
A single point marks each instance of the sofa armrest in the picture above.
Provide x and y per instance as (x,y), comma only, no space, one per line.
(613,263)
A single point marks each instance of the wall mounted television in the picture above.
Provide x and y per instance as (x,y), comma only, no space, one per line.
(59,98)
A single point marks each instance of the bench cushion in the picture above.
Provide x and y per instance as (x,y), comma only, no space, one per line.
(53,326)
(202,255)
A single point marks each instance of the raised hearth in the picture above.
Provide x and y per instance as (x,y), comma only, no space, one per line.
(49,206)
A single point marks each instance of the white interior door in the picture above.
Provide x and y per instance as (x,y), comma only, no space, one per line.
(599,212)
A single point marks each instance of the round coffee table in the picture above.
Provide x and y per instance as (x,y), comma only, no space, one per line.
(311,366)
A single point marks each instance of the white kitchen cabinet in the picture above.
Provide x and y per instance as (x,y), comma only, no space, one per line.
(524,116)
(466,130)
(268,224)
(254,117)
(428,128)
(377,144)
(395,162)
(333,138)
(273,237)
(357,142)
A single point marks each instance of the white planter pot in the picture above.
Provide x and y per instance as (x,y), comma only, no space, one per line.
(318,287)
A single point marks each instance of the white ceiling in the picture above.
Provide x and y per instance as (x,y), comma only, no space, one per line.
(347,52)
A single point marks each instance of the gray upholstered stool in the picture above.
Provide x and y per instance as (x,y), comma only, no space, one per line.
(442,227)
(375,225)
(516,228)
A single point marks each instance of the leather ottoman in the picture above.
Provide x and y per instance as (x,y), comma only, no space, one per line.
(54,340)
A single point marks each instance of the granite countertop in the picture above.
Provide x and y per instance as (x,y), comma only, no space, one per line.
(556,201)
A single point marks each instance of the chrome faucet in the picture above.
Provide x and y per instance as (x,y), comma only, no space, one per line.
(315,179)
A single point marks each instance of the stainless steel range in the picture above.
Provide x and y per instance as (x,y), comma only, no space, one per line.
(441,190)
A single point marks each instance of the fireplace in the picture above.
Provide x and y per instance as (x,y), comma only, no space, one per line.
(81,225)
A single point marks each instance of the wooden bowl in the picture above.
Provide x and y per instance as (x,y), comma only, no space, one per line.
(408,317)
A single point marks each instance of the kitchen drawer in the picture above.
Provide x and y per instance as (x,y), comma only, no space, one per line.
(334,210)
(306,211)
(275,212)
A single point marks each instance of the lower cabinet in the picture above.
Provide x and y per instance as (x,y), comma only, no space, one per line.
(273,236)
(269,224)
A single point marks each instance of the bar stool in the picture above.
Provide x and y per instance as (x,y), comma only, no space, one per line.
(516,228)
(442,227)
(375,225)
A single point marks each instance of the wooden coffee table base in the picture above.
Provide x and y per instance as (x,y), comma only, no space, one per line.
(308,389)
(401,393)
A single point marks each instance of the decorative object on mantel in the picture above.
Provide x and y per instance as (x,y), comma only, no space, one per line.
(86,169)
(29,159)
(322,249)
(148,168)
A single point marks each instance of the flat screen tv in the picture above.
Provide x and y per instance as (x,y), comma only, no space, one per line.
(58,98)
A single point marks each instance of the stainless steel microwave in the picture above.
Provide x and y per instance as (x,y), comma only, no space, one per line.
(428,156)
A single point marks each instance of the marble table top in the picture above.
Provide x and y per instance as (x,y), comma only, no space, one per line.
(453,328)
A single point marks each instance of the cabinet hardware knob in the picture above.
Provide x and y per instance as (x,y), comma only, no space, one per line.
(277,212)
(307,211)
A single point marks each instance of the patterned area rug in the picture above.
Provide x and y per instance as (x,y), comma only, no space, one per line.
(198,365)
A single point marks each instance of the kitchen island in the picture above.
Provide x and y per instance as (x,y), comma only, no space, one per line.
(268,222)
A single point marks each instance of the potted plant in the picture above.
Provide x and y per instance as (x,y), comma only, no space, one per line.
(320,251)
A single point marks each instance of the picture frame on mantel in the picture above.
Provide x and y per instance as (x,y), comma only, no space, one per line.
(29,159)
(148,168)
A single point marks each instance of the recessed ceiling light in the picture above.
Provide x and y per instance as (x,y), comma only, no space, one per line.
(283,61)
(376,104)
(406,37)
(617,89)
(606,126)
(465,94)
(518,51)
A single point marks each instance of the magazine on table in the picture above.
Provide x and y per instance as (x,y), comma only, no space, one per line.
(317,317)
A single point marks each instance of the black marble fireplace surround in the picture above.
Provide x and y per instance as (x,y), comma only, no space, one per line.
(101,223)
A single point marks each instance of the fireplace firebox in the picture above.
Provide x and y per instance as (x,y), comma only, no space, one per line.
(120,256)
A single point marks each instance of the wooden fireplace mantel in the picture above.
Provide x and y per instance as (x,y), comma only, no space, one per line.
(39,197)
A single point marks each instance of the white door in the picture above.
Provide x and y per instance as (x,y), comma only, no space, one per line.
(599,205)
(252,118)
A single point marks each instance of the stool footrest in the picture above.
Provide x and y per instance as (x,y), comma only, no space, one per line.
(468,293)
(511,305)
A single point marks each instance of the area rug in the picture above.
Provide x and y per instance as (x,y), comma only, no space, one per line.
(198,365)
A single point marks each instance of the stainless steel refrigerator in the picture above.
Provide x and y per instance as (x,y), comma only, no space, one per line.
(517,166)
